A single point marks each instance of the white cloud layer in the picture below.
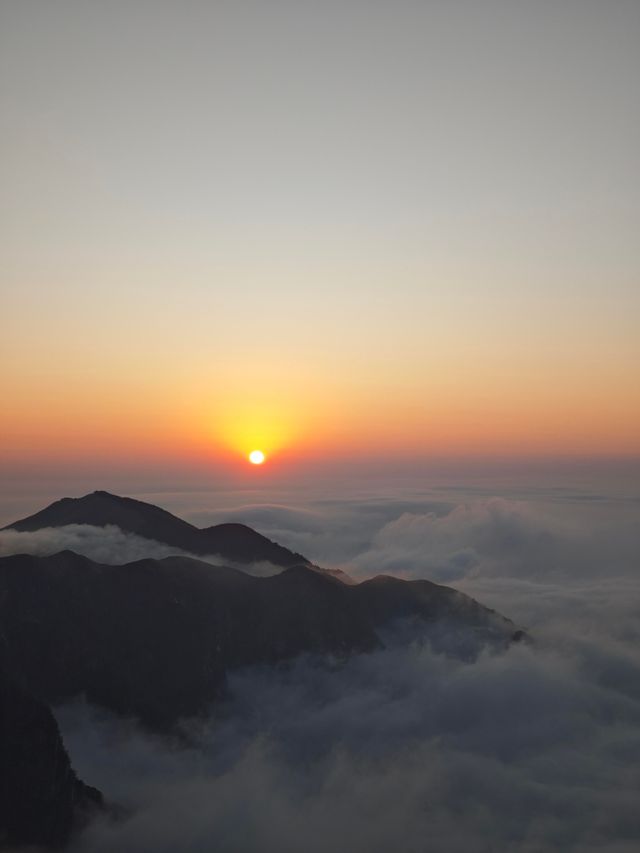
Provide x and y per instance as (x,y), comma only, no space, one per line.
(533,751)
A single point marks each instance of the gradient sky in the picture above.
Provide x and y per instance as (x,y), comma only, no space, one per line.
(328,229)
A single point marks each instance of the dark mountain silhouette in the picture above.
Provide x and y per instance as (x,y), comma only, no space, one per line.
(41,799)
(155,638)
(234,542)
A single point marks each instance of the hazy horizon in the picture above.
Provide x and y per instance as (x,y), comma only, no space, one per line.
(232,488)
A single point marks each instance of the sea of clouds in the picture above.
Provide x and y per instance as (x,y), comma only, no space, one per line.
(533,750)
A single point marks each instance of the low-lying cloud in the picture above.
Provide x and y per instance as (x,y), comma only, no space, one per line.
(556,533)
(533,750)
(110,545)
(499,537)
(328,531)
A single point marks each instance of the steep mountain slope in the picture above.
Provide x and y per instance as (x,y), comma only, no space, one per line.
(155,638)
(41,798)
(234,542)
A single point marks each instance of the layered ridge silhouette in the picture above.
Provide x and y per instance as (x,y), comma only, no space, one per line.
(234,542)
(155,639)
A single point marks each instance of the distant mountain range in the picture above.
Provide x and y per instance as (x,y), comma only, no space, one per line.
(233,542)
(155,639)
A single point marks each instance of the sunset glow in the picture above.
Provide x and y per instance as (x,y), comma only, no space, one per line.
(336,298)
(320,425)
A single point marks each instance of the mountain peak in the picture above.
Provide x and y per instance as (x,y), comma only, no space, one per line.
(232,541)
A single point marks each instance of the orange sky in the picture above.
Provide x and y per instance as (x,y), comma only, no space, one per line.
(426,247)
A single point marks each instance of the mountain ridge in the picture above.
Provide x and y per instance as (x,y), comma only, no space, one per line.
(231,541)
(155,639)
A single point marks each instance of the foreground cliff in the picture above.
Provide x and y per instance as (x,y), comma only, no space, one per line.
(42,801)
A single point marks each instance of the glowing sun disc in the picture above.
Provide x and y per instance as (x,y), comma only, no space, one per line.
(256,457)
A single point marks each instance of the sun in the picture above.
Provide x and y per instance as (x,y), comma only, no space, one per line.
(256,457)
